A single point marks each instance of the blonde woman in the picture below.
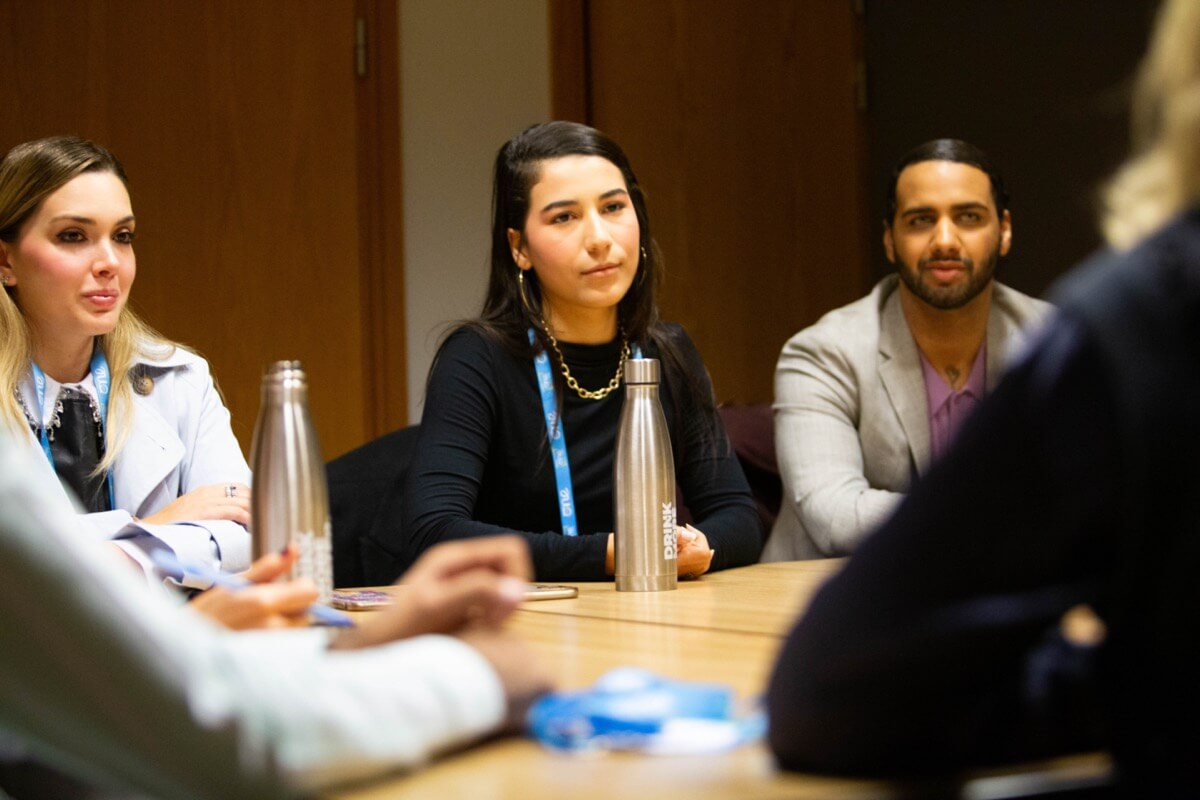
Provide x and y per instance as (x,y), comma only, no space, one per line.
(129,422)
(960,633)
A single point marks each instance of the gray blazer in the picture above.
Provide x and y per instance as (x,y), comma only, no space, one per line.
(852,421)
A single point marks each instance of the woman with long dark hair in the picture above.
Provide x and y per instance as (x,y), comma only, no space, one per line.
(574,274)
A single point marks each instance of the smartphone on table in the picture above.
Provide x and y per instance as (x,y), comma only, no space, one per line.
(360,599)
(547,591)
(367,599)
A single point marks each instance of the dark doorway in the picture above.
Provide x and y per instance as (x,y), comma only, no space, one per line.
(1041,85)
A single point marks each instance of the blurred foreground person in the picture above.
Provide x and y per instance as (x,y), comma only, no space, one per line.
(940,646)
(105,679)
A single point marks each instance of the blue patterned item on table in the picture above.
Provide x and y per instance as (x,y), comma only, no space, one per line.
(634,709)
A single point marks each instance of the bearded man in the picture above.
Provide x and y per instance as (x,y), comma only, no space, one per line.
(871,394)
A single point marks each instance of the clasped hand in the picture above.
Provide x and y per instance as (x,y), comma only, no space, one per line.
(693,556)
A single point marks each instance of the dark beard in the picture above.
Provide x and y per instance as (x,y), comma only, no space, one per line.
(950,298)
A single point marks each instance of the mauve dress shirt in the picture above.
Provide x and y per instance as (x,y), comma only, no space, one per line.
(948,408)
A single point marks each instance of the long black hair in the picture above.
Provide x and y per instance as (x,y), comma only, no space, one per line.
(517,169)
(507,317)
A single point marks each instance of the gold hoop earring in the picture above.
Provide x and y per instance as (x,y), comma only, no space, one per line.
(521,290)
(642,267)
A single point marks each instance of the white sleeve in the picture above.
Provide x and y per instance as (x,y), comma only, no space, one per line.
(818,447)
(218,544)
(363,711)
(213,456)
(106,679)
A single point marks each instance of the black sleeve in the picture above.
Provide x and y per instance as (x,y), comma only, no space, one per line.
(458,429)
(937,646)
(707,470)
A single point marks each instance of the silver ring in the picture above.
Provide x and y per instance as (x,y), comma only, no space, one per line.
(231,490)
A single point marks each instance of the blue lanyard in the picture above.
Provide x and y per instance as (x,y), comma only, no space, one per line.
(558,441)
(100,377)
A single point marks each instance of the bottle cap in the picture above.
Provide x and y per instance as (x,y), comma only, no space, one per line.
(285,367)
(641,370)
(284,376)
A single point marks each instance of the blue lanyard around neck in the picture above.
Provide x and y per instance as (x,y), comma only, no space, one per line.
(100,378)
(558,440)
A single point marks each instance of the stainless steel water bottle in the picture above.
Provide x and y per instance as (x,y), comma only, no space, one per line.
(290,500)
(643,486)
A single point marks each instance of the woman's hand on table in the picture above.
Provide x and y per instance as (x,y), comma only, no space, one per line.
(264,605)
(216,501)
(693,555)
(470,582)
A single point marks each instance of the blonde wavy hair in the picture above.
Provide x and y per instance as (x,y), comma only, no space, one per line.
(28,175)
(1163,178)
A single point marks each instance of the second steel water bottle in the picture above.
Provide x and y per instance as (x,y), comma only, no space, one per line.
(643,487)
(290,498)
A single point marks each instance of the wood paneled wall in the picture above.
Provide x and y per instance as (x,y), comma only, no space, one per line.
(264,175)
(743,125)
(1043,87)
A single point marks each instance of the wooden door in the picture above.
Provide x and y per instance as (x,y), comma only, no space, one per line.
(742,121)
(255,180)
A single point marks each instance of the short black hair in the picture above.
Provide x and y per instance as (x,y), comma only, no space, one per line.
(948,150)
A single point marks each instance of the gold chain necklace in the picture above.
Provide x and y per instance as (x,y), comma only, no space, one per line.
(599,394)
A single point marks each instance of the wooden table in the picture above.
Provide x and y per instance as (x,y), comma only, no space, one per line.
(725,627)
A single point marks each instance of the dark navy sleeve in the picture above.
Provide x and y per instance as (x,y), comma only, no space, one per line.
(938,644)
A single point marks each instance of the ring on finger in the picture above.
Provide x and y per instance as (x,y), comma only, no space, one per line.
(231,490)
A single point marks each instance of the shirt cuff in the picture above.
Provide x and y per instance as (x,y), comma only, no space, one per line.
(140,555)
(191,544)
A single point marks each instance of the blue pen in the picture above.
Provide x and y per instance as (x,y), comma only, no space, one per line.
(170,564)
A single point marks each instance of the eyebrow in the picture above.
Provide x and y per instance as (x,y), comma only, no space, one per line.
(89,220)
(971,206)
(562,203)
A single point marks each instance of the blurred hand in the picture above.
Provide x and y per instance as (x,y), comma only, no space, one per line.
(521,673)
(467,588)
(475,582)
(207,502)
(265,605)
(694,556)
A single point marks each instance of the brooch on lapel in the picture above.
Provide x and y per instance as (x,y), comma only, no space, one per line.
(143,384)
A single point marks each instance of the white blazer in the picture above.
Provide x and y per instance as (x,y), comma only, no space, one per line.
(180,440)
